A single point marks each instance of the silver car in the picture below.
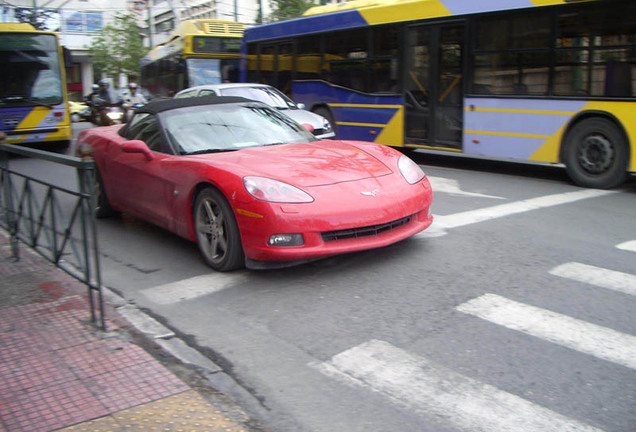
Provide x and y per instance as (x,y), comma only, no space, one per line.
(269,95)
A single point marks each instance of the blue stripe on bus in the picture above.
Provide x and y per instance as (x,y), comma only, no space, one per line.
(365,115)
(358,133)
(312,91)
(368,119)
(311,24)
(461,7)
(12,117)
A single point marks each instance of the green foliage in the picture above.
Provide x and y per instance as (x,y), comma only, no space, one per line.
(288,9)
(119,47)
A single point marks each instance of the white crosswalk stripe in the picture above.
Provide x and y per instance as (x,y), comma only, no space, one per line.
(610,279)
(189,289)
(570,332)
(485,214)
(424,386)
(628,246)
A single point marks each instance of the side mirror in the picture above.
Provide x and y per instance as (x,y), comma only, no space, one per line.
(301,106)
(137,146)
(309,127)
(68,58)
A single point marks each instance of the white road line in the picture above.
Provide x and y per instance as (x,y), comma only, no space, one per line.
(610,279)
(579,335)
(192,288)
(451,186)
(628,246)
(488,213)
(424,386)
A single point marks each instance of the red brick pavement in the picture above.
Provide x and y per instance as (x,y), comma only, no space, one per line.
(56,371)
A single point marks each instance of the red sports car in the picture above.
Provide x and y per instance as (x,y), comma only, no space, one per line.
(253,188)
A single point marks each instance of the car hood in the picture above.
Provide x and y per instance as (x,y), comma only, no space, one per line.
(310,164)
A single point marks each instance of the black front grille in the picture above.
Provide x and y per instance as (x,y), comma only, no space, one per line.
(364,231)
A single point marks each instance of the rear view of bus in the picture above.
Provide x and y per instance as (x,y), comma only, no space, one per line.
(33,103)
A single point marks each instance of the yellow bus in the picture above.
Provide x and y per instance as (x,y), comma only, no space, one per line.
(201,51)
(551,81)
(34,106)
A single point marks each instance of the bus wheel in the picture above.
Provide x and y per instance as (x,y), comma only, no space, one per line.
(595,154)
(321,111)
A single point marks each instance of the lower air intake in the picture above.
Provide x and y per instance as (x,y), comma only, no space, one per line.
(372,230)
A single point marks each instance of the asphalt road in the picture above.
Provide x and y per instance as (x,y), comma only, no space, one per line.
(514,311)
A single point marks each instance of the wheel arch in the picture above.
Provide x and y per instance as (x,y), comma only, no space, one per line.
(319,106)
(589,114)
(324,106)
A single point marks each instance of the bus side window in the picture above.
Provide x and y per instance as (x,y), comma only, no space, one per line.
(618,79)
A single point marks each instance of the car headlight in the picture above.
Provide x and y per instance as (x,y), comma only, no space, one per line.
(114,115)
(266,189)
(411,171)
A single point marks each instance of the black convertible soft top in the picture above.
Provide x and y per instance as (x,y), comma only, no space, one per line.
(155,107)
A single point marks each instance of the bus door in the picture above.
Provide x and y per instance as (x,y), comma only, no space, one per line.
(433,85)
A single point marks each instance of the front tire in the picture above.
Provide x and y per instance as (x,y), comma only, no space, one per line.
(75,118)
(217,232)
(596,154)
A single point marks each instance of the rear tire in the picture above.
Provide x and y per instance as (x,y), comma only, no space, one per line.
(217,232)
(595,154)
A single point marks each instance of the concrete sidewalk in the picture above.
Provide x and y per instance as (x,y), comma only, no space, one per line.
(59,373)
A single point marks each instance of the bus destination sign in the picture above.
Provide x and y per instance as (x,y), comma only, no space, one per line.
(209,44)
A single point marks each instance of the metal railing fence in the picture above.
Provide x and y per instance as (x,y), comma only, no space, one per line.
(57,222)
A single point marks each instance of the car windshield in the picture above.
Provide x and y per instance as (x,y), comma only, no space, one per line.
(227,127)
(267,95)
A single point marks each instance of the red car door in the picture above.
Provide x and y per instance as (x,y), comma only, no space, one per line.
(138,178)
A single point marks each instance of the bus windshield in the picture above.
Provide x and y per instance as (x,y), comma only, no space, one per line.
(31,70)
(204,71)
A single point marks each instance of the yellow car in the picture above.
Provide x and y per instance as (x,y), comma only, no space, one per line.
(79,111)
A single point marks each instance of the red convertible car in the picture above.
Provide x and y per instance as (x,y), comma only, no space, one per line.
(252,187)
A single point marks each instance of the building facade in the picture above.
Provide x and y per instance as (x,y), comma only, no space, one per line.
(158,18)
(79,21)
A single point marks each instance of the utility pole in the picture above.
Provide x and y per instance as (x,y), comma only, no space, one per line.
(150,23)
(34,14)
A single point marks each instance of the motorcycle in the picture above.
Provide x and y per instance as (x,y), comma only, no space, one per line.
(111,114)
(130,109)
(107,114)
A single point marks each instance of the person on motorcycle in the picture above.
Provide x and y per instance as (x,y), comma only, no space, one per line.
(89,97)
(105,93)
(90,101)
(108,105)
(133,99)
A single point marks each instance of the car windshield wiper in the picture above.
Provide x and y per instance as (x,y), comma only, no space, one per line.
(211,151)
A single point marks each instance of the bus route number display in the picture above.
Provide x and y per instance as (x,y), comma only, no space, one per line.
(203,44)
